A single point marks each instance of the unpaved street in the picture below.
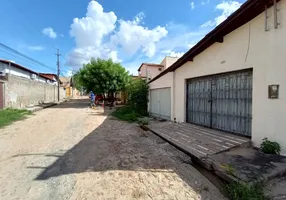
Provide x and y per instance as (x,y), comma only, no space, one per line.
(71,152)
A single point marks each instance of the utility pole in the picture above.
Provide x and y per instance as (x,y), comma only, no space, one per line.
(58,64)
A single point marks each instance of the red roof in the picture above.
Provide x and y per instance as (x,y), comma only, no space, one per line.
(49,76)
(249,10)
(23,68)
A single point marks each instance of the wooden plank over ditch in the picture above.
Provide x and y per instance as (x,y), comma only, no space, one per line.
(198,141)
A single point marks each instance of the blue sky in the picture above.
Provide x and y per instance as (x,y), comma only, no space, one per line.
(128,31)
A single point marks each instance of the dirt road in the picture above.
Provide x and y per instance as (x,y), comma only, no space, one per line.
(72,152)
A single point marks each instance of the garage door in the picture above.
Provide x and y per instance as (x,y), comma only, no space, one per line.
(160,103)
(1,96)
(222,102)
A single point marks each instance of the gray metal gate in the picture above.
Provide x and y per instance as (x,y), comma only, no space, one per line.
(221,101)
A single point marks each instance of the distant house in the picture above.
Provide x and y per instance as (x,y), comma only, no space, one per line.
(151,70)
(21,86)
(233,79)
(53,77)
(67,84)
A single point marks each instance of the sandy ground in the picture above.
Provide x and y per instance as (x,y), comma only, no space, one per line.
(72,152)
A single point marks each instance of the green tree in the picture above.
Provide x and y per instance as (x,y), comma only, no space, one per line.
(102,76)
(76,82)
(137,92)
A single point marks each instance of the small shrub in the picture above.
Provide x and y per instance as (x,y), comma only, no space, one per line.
(138,96)
(270,147)
(228,168)
(243,191)
(143,121)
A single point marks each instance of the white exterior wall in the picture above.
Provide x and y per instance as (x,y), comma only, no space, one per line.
(164,82)
(266,55)
(21,73)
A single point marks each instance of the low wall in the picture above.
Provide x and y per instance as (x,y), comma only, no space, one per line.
(21,92)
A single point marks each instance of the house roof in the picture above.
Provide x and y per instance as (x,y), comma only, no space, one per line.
(50,76)
(249,10)
(65,81)
(22,68)
(151,65)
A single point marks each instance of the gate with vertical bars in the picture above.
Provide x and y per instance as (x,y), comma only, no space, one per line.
(222,101)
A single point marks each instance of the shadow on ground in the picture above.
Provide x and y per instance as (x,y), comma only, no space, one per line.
(73,103)
(117,145)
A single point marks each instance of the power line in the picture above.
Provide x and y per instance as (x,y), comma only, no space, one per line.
(58,64)
(28,20)
(25,56)
(12,56)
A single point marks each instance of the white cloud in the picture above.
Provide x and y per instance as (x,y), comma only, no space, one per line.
(101,35)
(192,5)
(180,37)
(79,56)
(89,32)
(227,8)
(176,54)
(131,36)
(36,48)
(50,32)
(205,2)
(173,53)
(132,66)
(69,73)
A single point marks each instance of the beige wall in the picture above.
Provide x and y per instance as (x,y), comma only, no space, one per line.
(152,71)
(262,51)
(168,61)
(21,92)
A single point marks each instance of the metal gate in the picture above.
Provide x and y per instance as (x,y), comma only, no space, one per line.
(222,102)
(1,96)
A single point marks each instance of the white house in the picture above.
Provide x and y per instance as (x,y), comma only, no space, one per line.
(21,87)
(234,79)
(152,70)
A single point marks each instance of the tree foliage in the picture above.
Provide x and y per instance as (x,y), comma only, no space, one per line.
(138,96)
(102,76)
(76,82)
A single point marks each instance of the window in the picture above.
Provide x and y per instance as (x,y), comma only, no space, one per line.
(160,69)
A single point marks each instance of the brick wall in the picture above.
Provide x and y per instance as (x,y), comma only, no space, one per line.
(21,92)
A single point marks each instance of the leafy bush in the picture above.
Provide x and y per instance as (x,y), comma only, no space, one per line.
(143,121)
(138,96)
(243,191)
(101,76)
(270,147)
